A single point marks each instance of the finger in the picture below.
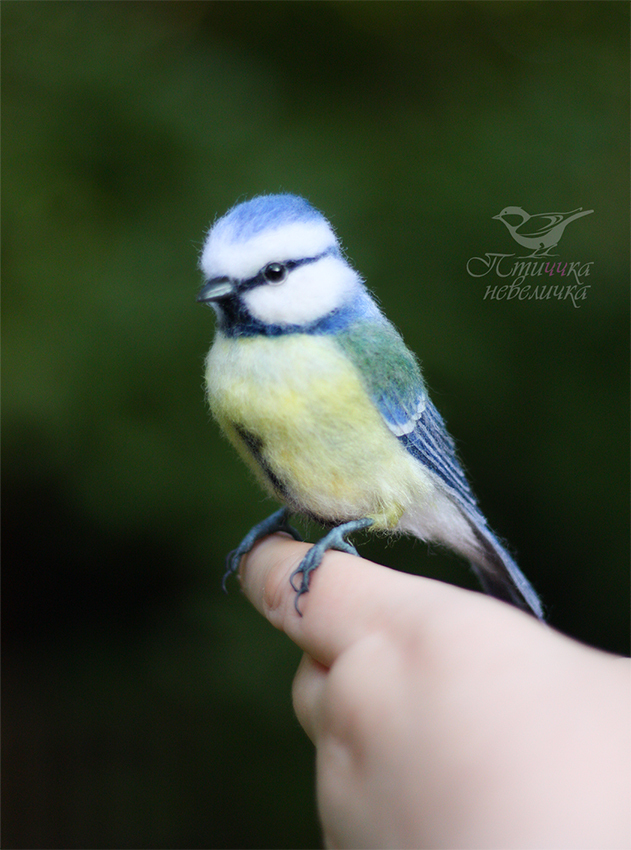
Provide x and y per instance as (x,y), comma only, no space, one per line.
(307,694)
(348,597)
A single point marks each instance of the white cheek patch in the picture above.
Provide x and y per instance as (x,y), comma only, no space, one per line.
(307,294)
(221,256)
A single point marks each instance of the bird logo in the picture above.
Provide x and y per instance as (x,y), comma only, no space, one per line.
(541,232)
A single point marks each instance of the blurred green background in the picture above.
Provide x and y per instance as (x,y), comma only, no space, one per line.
(142,708)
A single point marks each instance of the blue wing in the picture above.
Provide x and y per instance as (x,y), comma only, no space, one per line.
(420,428)
(424,435)
(394,381)
(395,384)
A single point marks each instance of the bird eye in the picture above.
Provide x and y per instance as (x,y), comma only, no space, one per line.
(274,273)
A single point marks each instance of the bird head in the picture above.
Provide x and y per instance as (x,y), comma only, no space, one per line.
(512,211)
(275,260)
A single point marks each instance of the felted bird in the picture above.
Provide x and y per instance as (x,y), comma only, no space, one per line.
(543,230)
(319,394)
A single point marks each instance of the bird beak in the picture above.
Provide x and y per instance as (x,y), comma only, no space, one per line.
(217,289)
(499,216)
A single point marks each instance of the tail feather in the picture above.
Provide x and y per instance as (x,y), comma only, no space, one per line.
(458,524)
(499,575)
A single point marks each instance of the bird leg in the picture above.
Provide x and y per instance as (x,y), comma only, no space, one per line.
(335,539)
(278,521)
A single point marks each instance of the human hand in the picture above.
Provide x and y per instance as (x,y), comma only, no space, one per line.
(444,718)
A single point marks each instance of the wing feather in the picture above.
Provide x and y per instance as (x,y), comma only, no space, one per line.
(393,379)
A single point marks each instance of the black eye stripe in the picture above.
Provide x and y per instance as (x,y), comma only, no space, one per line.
(289,265)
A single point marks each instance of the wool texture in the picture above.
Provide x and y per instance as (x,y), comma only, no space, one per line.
(321,397)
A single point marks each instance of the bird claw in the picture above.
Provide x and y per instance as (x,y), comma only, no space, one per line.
(335,539)
(278,521)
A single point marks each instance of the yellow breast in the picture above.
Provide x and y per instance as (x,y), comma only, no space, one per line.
(316,430)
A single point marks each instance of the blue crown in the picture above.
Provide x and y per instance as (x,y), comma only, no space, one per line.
(266,212)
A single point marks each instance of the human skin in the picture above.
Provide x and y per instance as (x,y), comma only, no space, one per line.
(443,718)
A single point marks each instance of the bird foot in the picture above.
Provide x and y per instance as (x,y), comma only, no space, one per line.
(278,521)
(335,539)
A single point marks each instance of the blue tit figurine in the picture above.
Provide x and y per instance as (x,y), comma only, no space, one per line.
(321,397)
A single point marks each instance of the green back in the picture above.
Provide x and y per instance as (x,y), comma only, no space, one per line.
(388,368)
